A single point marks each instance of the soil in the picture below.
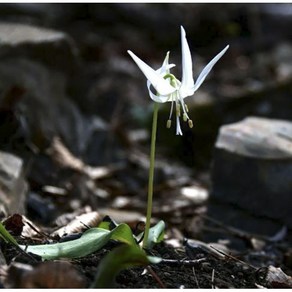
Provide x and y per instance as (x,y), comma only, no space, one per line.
(182,267)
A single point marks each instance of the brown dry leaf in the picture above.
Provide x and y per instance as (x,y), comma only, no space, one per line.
(62,156)
(57,274)
(19,225)
(276,278)
(97,172)
(31,230)
(14,224)
(80,223)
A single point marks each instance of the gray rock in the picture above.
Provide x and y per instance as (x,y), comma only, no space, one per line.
(35,60)
(13,187)
(45,107)
(54,49)
(252,167)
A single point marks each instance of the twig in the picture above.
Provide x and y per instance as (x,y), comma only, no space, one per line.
(36,230)
(194,272)
(155,276)
(183,262)
(213,278)
(233,258)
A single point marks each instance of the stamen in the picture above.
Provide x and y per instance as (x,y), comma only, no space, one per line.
(190,122)
(171,109)
(186,107)
(185,117)
(168,124)
(178,110)
(183,107)
(178,128)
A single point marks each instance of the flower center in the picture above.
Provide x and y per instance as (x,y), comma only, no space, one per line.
(180,105)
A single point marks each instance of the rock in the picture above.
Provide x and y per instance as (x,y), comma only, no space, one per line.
(252,168)
(38,61)
(52,48)
(13,186)
(44,107)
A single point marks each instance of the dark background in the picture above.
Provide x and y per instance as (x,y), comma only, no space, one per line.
(86,89)
(102,80)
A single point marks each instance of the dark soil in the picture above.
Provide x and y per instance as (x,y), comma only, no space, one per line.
(184,267)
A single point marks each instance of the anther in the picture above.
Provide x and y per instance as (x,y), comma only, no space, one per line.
(185,117)
(168,124)
(190,122)
(187,109)
(178,110)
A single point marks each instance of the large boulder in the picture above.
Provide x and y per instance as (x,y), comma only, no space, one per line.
(53,48)
(36,64)
(252,168)
(37,69)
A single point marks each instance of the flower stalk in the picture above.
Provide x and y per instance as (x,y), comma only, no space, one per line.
(164,87)
(151,174)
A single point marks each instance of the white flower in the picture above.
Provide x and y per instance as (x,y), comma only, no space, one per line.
(169,88)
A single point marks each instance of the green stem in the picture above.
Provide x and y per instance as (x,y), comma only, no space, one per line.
(151,174)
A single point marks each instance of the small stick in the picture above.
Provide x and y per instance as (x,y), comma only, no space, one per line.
(213,278)
(183,262)
(155,276)
(194,272)
(234,258)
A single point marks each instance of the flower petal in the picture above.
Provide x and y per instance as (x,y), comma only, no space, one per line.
(208,68)
(157,98)
(187,82)
(163,69)
(161,85)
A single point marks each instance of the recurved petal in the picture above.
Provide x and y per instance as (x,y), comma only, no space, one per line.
(208,68)
(158,82)
(187,82)
(156,98)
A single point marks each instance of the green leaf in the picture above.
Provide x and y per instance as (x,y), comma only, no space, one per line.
(90,241)
(156,234)
(120,258)
(6,235)
(107,223)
